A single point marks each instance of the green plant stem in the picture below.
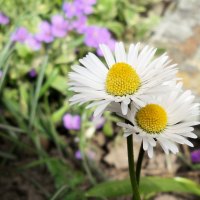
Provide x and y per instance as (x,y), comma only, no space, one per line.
(84,157)
(85,165)
(135,189)
(139,163)
(57,194)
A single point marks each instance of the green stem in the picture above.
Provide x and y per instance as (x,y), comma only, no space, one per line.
(86,167)
(135,189)
(139,163)
(84,157)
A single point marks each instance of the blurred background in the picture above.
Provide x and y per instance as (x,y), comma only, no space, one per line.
(50,150)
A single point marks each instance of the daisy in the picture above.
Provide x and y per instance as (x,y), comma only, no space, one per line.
(126,77)
(167,119)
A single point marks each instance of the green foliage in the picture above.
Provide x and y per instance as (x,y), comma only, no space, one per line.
(64,175)
(149,186)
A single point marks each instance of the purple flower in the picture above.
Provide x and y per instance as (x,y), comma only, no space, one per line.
(78,8)
(110,43)
(95,35)
(4,19)
(86,6)
(33,43)
(90,154)
(20,35)
(88,2)
(1,73)
(78,155)
(72,122)
(71,9)
(45,32)
(80,24)
(59,26)
(32,73)
(195,156)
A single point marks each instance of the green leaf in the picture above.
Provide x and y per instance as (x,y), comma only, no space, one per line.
(5,71)
(103,8)
(23,98)
(22,50)
(108,129)
(60,84)
(37,91)
(49,81)
(11,128)
(63,174)
(148,186)
(115,27)
(7,155)
(5,53)
(58,114)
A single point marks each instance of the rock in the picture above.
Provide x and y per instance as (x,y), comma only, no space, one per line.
(117,155)
(179,33)
(170,197)
(161,164)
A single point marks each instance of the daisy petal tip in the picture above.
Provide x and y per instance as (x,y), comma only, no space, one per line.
(150,155)
(125,135)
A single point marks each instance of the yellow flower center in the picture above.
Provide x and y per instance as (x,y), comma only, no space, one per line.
(152,118)
(122,80)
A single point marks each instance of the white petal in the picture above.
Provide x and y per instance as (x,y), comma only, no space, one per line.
(126,134)
(124,108)
(150,151)
(145,144)
(120,53)
(107,55)
(98,63)
(99,110)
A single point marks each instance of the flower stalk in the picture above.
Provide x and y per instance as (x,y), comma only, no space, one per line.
(139,163)
(134,184)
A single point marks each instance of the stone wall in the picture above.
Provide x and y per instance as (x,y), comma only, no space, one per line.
(179,33)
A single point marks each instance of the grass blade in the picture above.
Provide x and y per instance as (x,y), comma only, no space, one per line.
(37,91)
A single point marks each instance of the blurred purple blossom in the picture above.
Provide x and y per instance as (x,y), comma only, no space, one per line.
(72,122)
(80,24)
(90,154)
(78,155)
(1,73)
(110,43)
(71,9)
(4,19)
(195,156)
(78,8)
(33,43)
(32,73)
(20,35)
(59,26)
(95,35)
(86,6)
(45,32)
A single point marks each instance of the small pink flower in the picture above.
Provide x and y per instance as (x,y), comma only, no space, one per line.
(20,35)
(195,156)
(59,26)
(72,122)
(4,20)
(45,32)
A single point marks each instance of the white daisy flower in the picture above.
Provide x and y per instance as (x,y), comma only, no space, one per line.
(127,77)
(167,119)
